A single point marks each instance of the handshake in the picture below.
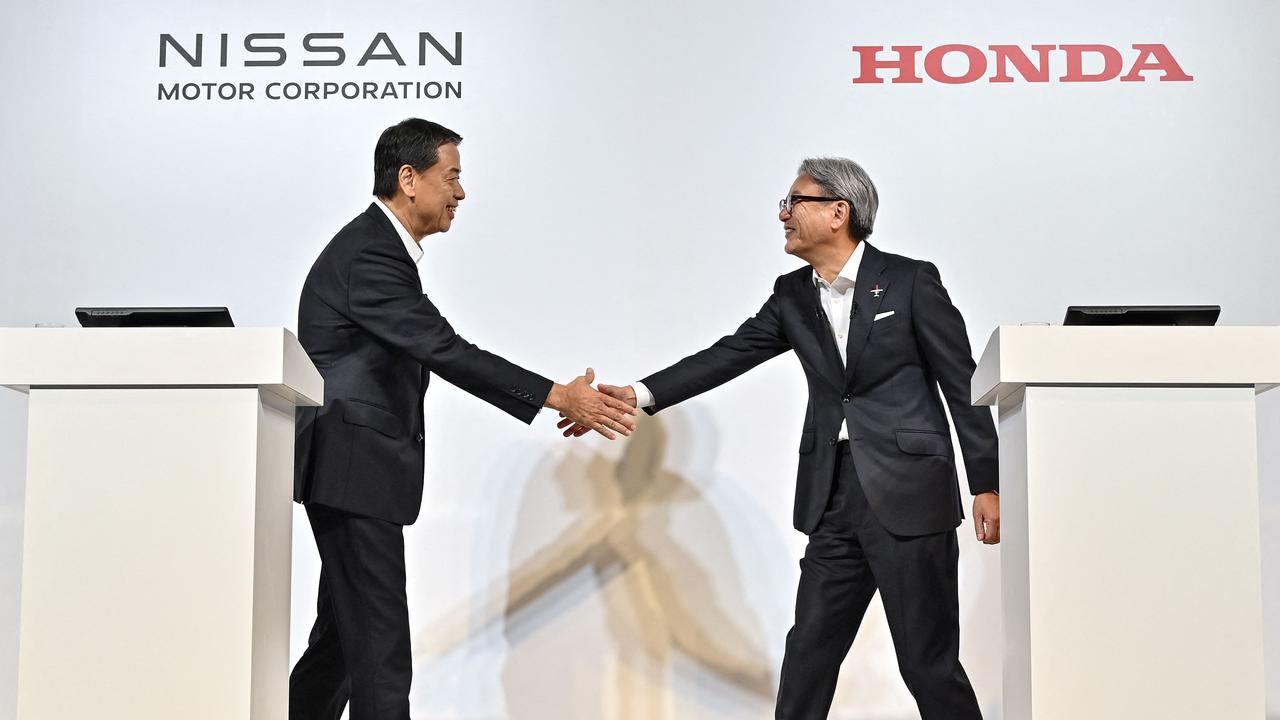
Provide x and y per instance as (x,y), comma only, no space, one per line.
(607,409)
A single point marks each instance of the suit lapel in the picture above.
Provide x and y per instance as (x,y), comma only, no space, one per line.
(867,291)
(829,365)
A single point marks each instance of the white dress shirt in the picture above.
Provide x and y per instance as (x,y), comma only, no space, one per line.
(411,247)
(837,303)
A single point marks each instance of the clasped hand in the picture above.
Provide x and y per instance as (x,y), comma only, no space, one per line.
(589,409)
(625,395)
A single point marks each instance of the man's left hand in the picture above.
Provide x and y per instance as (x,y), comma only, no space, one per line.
(986,517)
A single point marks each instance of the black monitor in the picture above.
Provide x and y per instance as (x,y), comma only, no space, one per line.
(1142,315)
(154,317)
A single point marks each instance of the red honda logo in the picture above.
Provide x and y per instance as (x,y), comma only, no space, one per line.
(1008,63)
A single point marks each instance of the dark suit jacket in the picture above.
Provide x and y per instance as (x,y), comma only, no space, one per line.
(888,392)
(376,339)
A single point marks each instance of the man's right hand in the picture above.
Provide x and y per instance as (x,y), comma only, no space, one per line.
(625,394)
(589,409)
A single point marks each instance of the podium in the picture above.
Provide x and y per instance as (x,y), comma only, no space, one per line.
(157,528)
(1130,561)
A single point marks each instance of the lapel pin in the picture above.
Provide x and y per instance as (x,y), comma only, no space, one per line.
(877,291)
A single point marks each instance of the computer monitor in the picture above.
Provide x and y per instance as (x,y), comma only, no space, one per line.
(1142,315)
(154,317)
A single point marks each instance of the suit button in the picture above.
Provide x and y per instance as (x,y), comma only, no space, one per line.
(419,437)
(833,441)
(846,398)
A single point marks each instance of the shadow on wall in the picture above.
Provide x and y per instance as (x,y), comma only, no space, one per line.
(672,604)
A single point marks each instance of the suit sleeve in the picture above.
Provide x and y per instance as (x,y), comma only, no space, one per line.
(758,339)
(944,343)
(385,299)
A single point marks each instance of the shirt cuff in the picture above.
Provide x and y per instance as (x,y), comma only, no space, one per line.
(644,398)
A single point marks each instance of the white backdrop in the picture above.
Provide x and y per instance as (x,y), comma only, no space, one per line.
(623,163)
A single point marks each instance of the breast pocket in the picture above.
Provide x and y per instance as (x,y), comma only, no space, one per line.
(886,321)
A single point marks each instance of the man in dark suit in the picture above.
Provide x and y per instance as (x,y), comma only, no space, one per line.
(876,491)
(376,339)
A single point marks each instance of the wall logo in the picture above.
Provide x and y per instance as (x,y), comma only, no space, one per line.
(312,52)
(958,64)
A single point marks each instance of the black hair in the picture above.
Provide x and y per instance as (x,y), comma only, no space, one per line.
(414,142)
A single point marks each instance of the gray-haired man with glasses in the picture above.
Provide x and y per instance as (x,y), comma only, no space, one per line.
(876,490)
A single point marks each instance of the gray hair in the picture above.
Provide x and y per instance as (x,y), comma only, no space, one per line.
(846,180)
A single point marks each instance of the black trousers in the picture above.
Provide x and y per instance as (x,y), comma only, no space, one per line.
(849,556)
(359,646)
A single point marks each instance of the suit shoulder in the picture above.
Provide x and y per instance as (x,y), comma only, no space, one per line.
(335,257)
(902,262)
(904,267)
(795,278)
(353,237)
(361,230)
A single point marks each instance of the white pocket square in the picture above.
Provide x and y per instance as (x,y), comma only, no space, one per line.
(883,315)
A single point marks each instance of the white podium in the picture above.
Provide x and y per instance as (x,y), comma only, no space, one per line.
(156,551)
(1129,514)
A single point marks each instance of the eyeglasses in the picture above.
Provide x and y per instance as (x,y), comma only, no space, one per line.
(789,202)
